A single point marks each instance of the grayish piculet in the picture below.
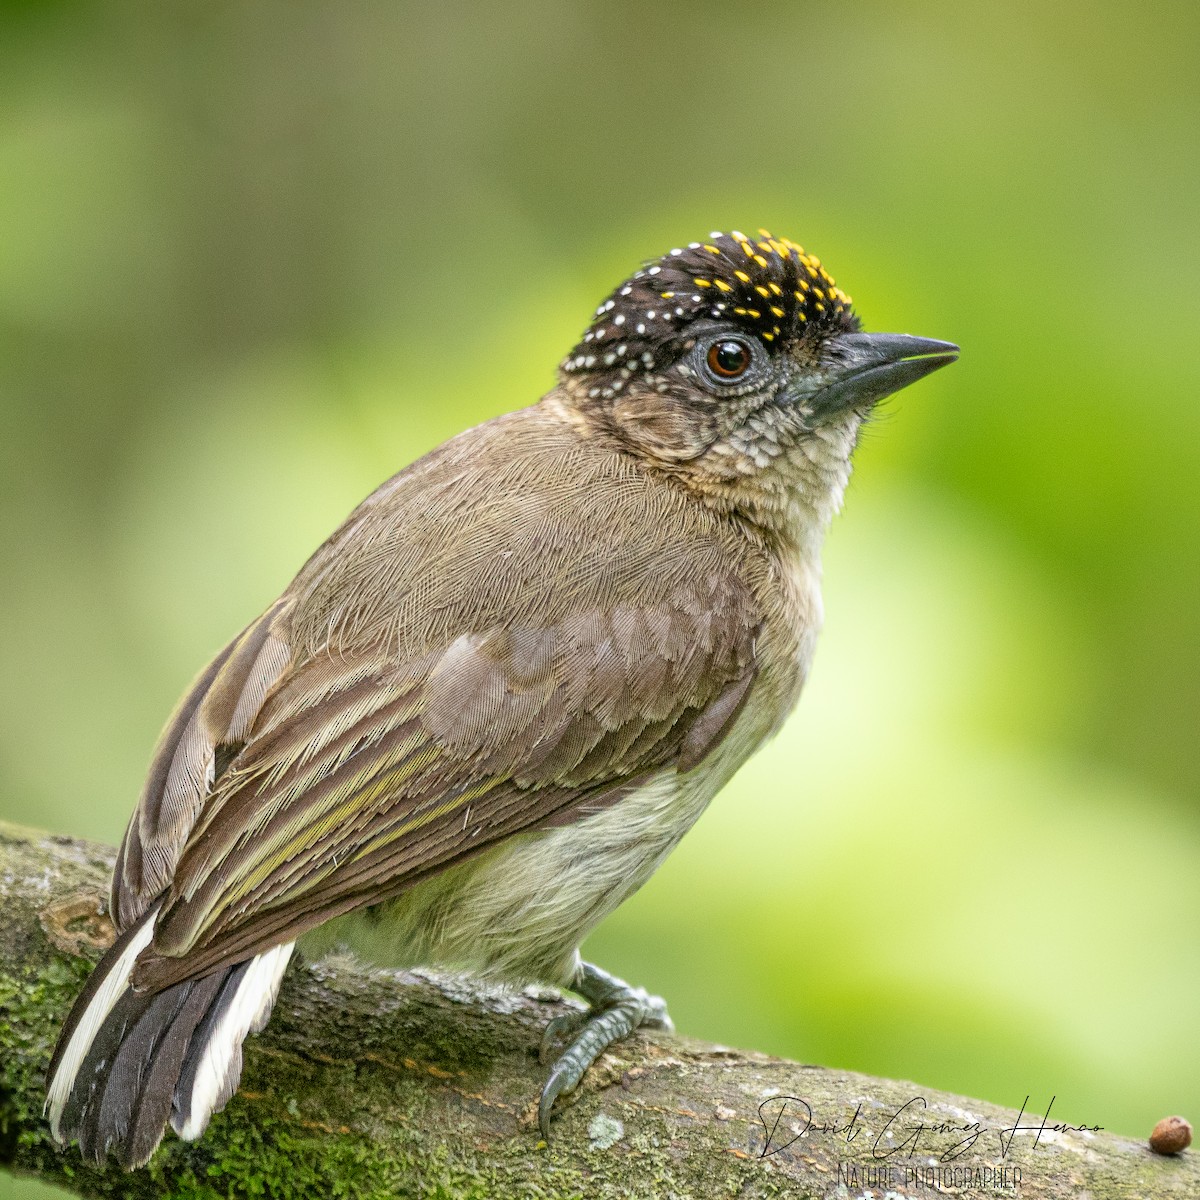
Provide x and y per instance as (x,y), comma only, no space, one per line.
(495,699)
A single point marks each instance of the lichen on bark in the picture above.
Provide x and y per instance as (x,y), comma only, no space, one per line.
(391,1084)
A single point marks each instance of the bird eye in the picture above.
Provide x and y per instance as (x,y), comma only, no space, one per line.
(729,358)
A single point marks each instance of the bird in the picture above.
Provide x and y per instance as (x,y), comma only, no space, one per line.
(494,700)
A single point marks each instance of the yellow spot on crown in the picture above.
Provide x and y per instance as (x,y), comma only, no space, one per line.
(711,249)
(775,288)
(762,291)
(722,285)
(742,276)
(777,311)
(702,282)
(667,295)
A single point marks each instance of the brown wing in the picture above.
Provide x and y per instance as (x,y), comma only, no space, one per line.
(363,777)
(214,715)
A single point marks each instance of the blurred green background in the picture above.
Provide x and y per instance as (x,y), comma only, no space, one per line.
(256,257)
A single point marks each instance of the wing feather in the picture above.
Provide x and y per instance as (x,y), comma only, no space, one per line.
(363,777)
(216,711)
(458,663)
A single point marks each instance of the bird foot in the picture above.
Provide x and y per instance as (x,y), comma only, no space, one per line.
(616,1011)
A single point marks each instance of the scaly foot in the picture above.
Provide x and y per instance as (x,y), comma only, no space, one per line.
(616,1011)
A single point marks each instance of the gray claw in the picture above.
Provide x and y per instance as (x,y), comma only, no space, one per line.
(550,1092)
(555,1028)
(616,1011)
(657,1016)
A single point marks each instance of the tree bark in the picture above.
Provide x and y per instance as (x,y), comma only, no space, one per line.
(382,1084)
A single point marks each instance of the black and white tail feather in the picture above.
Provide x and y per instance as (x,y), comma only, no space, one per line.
(128,1063)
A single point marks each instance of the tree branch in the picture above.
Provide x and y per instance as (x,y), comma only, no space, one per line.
(384,1084)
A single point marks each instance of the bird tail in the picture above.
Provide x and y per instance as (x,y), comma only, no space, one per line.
(127,1062)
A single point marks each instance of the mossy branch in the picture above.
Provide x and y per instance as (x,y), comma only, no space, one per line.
(386,1084)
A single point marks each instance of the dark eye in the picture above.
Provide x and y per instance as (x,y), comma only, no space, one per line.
(729,358)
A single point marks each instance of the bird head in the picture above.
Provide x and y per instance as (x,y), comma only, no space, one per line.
(738,366)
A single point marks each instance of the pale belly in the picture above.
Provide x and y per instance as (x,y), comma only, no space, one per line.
(519,912)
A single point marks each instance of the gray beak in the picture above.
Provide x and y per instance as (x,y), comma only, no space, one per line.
(863,368)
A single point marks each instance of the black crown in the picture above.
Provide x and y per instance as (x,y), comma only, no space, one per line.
(771,287)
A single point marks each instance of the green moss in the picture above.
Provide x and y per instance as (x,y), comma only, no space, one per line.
(32,1002)
(364,1087)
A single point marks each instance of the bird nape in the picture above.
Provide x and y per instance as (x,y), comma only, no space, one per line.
(495,699)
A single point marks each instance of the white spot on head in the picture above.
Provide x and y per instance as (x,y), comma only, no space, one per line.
(677,252)
(654,270)
(608,305)
(641,329)
(619,319)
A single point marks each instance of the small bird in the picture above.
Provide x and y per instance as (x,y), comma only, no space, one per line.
(491,704)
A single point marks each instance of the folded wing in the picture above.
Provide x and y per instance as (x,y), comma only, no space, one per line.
(364,776)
